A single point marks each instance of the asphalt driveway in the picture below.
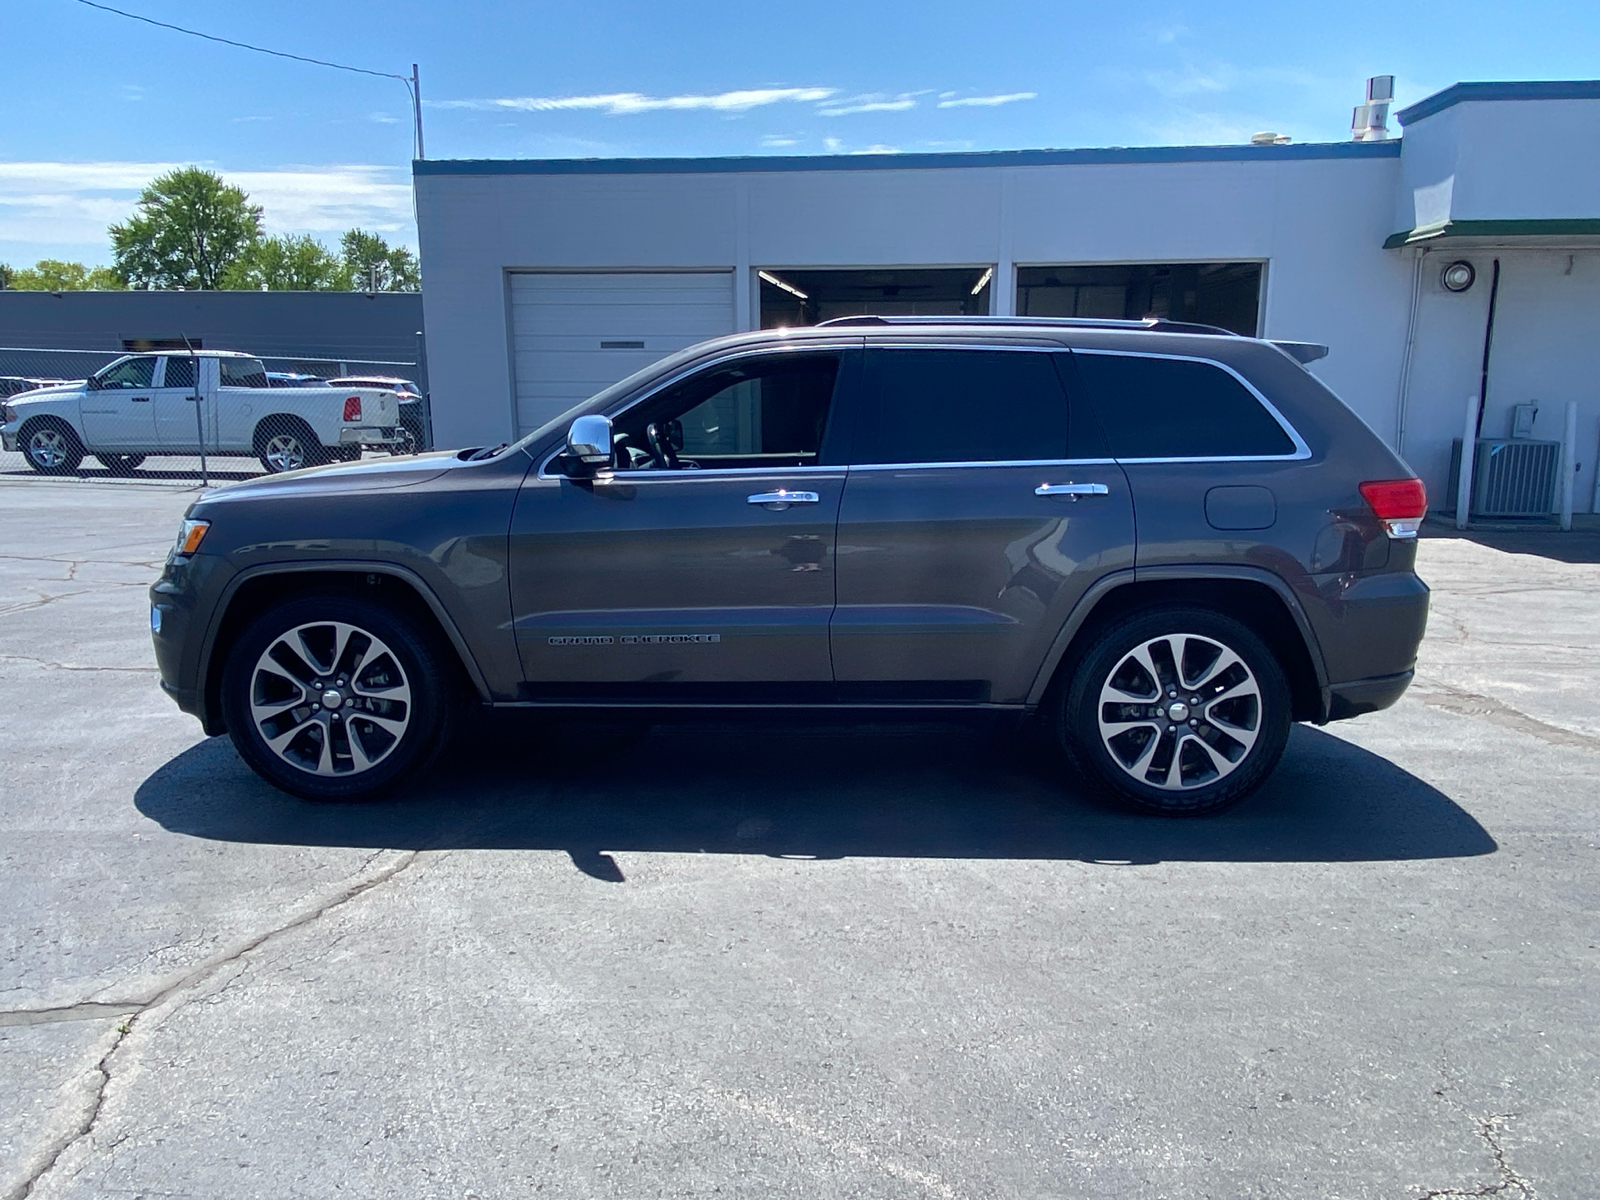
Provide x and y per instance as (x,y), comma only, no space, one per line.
(793,959)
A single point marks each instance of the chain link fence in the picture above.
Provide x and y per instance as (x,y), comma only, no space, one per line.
(200,415)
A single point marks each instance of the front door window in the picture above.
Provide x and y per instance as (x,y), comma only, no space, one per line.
(764,411)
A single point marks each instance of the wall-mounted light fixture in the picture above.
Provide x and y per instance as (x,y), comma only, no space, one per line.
(983,280)
(1458,276)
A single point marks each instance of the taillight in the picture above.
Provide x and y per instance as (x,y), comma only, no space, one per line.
(352,409)
(1399,503)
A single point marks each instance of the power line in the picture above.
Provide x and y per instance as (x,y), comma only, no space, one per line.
(412,84)
(406,79)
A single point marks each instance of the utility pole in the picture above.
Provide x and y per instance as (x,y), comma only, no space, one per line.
(416,108)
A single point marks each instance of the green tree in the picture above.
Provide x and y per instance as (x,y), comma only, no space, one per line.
(188,228)
(7,274)
(53,275)
(287,264)
(375,266)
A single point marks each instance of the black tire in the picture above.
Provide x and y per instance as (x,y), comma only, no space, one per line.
(120,464)
(1121,744)
(285,443)
(289,689)
(50,446)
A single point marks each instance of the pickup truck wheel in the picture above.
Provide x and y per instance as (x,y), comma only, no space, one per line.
(286,443)
(120,464)
(336,698)
(51,447)
(1176,711)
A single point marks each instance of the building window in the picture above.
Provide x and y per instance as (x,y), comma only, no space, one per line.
(809,297)
(1223,294)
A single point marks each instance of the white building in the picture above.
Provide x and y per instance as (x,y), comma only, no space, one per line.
(548,279)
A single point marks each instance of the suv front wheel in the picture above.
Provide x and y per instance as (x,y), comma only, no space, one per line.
(1178,711)
(333,697)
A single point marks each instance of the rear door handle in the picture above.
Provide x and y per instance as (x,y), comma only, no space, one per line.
(781,499)
(1072,489)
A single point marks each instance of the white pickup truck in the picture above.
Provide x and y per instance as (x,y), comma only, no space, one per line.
(147,404)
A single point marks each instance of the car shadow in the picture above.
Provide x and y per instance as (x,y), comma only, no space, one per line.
(1580,544)
(815,791)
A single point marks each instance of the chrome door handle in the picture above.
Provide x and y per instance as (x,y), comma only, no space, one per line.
(1072,489)
(781,499)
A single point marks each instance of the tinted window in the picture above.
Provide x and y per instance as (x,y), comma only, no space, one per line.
(1177,408)
(243,372)
(926,406)
(769,409)
(180,373)
(130,373)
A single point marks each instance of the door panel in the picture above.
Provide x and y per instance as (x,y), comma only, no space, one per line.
(953,581)
(672,585)
(116,415)
(956,571)
(173,404)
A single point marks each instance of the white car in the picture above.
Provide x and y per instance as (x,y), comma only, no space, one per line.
(146,404)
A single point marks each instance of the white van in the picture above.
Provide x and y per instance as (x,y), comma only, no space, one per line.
(145,404)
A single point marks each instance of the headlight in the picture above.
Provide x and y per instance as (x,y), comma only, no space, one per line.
(190,535)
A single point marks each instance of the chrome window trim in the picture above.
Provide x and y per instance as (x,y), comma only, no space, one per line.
(843,346)
(1010,462)
(1301,450)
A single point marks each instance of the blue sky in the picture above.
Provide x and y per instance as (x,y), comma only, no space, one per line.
(95,104)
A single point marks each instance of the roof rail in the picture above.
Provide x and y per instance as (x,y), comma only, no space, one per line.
(1153,324)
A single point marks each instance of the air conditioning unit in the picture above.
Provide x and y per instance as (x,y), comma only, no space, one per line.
(1511,477)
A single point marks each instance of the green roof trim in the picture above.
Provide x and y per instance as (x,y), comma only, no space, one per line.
(1542,227)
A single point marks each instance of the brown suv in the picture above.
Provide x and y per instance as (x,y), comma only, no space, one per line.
(1168,541)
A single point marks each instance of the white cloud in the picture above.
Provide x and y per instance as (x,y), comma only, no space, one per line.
(629,103)
(986,101)
(872,102)
(53,204)
(877,149)
(775,141)
(832,145)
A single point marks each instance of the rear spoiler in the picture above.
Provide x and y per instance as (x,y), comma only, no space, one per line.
(1303,352)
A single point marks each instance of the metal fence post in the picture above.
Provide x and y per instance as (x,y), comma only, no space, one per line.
(199,418)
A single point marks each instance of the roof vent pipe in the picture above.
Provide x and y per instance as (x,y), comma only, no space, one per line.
(1370,121)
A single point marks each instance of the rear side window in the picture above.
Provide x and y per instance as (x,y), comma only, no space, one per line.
(180,373)
(956,406)
(243,372)
(1177,408)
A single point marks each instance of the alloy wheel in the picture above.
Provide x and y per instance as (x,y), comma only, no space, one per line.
(330,698)
(49,449)
(1180,712)
(284,452)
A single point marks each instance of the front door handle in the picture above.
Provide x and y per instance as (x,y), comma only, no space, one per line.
(140,399)
(780,499)
(1072,489)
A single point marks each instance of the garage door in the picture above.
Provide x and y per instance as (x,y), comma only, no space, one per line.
(575,334)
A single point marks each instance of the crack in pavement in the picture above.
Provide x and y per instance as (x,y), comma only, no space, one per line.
(134,1009)
(1488,1128)
(89,1010)
(51,664)
(1471,704)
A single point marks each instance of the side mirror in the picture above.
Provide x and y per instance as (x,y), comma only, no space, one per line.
(589,442)
(92,384)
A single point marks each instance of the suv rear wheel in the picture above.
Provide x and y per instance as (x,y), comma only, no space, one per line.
(1178,711)
(332,697)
